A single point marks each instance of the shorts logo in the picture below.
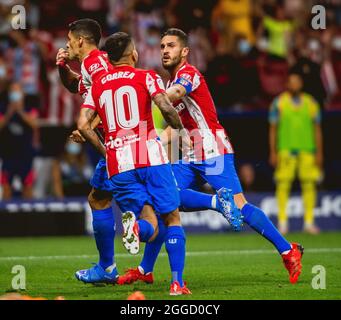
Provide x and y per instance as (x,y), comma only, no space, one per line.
(93,67)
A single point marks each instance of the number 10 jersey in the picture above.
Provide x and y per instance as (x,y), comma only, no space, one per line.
(123,99)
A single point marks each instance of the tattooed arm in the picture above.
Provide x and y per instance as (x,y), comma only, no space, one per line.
(84,126)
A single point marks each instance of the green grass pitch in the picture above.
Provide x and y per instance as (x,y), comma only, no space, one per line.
(219,266)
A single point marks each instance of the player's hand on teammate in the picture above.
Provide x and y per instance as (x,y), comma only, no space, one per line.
(186,144)
(62,56)
(77,137)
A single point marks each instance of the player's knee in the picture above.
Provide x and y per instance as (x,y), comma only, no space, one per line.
(172,218)
(99,200)
(240,200)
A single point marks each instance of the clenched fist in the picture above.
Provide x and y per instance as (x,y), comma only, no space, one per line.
(62,56)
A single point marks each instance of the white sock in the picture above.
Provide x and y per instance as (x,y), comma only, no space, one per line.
(140,269)
(287,251)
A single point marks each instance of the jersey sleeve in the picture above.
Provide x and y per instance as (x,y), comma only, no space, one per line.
(89,102)
(91,66)
(274,112)
(189,79)
(154,83)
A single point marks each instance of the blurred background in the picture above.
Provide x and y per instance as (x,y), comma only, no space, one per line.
(245,49)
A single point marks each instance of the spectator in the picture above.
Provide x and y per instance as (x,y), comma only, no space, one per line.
(76,170)
(17,124)
(296,146)
(229,18)
(279,30)
(150,46)
(308,65)
(25,64)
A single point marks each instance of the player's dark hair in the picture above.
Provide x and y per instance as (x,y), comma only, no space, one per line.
(179,33)
(116,45)
(87,28)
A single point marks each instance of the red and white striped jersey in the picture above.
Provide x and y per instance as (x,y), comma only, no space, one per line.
(93,66)
(198,115)
(123,99)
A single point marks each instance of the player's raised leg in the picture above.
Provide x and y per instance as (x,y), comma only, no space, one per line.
(144,229)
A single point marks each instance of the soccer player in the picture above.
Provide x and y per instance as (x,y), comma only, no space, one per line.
(137,164)
(296,146)
(83,39)
(212,160)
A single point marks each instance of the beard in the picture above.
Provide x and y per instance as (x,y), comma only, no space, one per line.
(172,63)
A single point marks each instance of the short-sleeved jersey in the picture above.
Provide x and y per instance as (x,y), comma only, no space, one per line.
(198,115)
(123,100)
(93,66)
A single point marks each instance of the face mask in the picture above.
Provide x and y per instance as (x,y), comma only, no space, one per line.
(314,45)
(2,72)
(337,43)
(15,96)
(244,47)
(153,41)
(73,148)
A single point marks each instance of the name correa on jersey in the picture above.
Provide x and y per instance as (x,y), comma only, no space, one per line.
(125,109)
(198,115)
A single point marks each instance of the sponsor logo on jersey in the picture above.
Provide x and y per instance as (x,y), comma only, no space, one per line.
(93,67)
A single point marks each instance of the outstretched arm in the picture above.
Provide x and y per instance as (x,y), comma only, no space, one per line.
(167,110)
(173,119)
(84,126)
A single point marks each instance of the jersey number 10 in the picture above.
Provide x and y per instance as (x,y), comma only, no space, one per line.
(115,110)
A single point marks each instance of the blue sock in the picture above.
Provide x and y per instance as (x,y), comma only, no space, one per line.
(152,249)
(176,249)
(103,223)
(146,230)
(195,200)
(258,221)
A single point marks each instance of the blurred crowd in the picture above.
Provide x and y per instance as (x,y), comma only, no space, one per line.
(245,48)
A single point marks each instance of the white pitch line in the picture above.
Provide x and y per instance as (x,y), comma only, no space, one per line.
(190,253)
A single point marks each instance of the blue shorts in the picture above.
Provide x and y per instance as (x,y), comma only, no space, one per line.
(218,172)
(100,179)
(153,185)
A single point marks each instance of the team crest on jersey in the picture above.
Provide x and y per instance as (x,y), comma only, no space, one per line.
(186,76)
(93,67)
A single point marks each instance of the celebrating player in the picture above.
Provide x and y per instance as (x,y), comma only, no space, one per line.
(83,39)
(137,164)
(212,160)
